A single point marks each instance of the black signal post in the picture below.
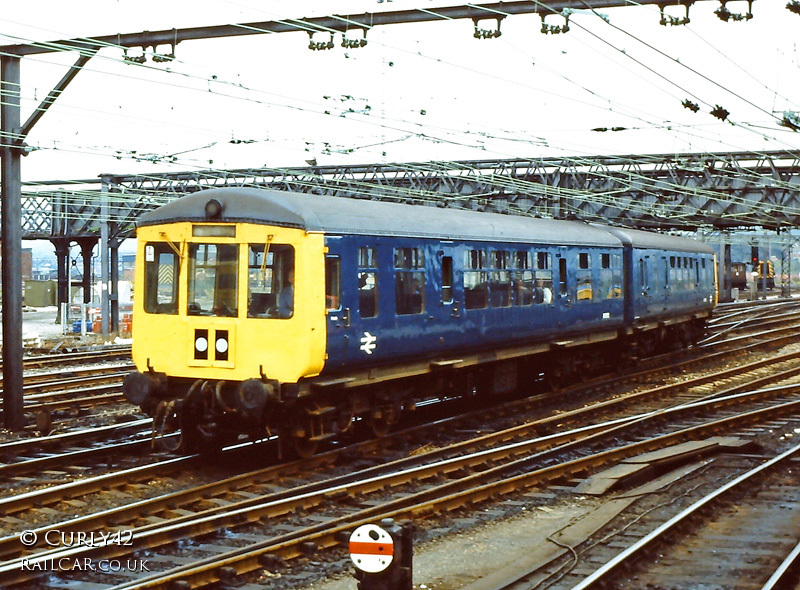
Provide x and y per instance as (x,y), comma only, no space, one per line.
(11,143)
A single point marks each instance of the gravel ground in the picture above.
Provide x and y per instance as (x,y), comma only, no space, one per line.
(40,330)
(491,548)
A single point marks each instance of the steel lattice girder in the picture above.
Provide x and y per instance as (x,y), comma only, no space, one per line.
(722,190)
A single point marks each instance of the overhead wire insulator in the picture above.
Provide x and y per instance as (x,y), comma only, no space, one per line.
(726,15)
(791,119)
(349,43)
(487,33)
(674,21)
(319,45)
(165,57)
(720,113)
(548,29)
(137,59)
(692,106)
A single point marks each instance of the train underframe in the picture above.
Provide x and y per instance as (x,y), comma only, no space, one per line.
(193,415)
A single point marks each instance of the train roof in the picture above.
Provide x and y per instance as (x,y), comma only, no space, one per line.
(652,240)
(340,215)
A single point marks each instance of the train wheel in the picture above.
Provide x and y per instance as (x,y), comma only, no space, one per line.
(304,436)
(381,421)
(167,432)
(302,445)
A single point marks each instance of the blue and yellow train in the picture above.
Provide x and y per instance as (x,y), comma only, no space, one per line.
(260,312)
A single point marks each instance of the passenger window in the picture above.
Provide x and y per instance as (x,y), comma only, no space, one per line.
(409,276)
(583,277)
(523,290)
(270,281)
(447,279)
(161,270)
(476,291)
(616,272)
(562,277)
(367,283)
(544,279)
(332,283)
(676,271)
(500,279)
(609,277)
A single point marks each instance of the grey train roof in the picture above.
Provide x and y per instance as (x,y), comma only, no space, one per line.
(647,239)
(338,215)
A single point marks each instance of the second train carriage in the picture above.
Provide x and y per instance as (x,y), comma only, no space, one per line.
(262,311)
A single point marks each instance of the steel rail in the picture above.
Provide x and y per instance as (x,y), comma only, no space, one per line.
(251,510)
(60,359)
(625,556)
(73,457)
(46,388)
(442,498)
(38,444)
(782,575)
(74,489)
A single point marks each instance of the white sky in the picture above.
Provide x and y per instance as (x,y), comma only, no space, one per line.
(414,93)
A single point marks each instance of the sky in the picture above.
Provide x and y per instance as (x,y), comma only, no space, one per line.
(413,93)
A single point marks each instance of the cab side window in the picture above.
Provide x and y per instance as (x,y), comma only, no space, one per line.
(333,291)
(270,281)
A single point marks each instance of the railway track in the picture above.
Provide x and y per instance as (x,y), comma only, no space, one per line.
(348,502)
(291,480)
(740,534)
(104,353)
(460,471)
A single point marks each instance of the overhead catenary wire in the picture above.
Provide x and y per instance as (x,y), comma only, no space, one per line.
(421,135)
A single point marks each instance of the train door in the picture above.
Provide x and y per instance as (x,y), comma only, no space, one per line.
(646,287)
(338,320)
(341,303)
(451,290)
(565,295)
(668,285)
(365,314)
